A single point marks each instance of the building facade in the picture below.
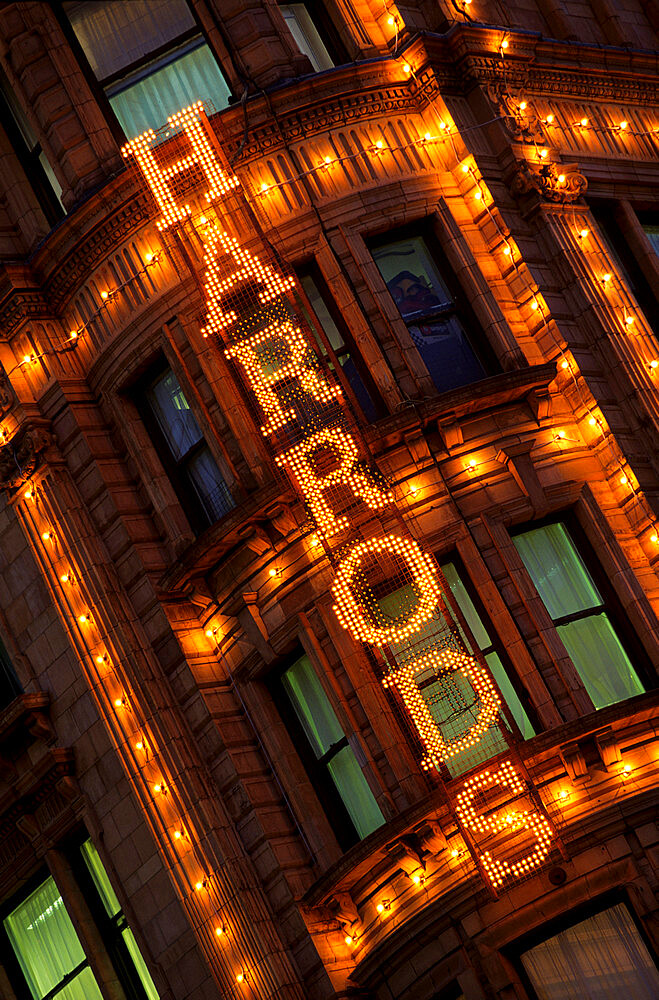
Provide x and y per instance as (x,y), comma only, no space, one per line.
(329,528)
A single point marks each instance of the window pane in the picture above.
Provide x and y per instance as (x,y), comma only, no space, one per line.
(355,793)
(210,486)
(601,958)
(145,103)
(312,706)
(45,942)
(305,35)
(139,963)
(447,353)
(100,877)
(652,233)
(466,606)
(412,276)
(556,568)
(602,663)
(114,35)
(510,696)
(83,987)
(176,420)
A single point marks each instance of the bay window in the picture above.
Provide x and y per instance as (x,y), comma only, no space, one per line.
(193,472)
(601,957)
(149,57)
(583,617)
(439,320)
(310,34)
(327,754)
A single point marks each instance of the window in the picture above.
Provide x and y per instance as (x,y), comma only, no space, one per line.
(117,935)
(449,697)
(608,217)
(327,754)
(603,957)
(187,459)
(10,687)
(149,57)
(49,960)
(437,317)
(582,618)
(306,36)
(30,155)
(46,946)
(351,363)
(493,653)
(650,225)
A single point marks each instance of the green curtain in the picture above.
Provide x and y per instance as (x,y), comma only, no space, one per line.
(113,909)
(47,947)
(566,588)
(312,706)
(355,793)
(149,101)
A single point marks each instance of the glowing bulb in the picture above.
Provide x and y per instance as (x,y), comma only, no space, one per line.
(199,886)
(104,295)
(623,479)
(465,168)
(158,788)
(654,537)
(139,745)
(240,978)
(543,154)
(565,364)
(583,233)
(624,124)
(654,364)
(26,359)
(264,186)
(177,834)
(477,195)
(118,702)
(391,21)
(83,619)
(560,434)
(379,144)
(101,659)
(416,879)
(549,119)
(348,939)
(28,494)
(219,931)
(47,535)
(534,305)
(148,257)
(564,793)
(427,137)
(380,907)
(455,852)
(203,220)
(507,251)
(627,769)
(522,105)
(592,421)
(272,572)
(606,277)
(583,122)
(407,68)
(74,334)
(473,464)
(504,44)
(629,320)
(328,160)
(561,178)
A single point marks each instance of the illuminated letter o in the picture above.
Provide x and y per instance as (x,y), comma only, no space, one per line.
(352,617)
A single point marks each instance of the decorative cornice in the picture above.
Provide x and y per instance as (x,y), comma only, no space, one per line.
(562,187)
(20,458)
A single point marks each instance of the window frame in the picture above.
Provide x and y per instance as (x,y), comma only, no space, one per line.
(322,21)
(496,646)
(98,87)
(611,603)
(174,469)
(29,160)
(311,269)
(475,335)
(590,908)
(10,959)
(328,795)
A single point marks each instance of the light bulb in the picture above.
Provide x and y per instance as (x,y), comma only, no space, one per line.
(564,793)
(219,931)
(380,907)
(583,122)
(561,178)
(606,277)
(543,154)
(139,745)
(623,124)
(565,364)
(473,464)
(148,257)
(407,68)
(654,537)
(118,702)
(504,44)
(264,186)
(26,359)
(455,852)
(623,479)
(507,251)
(534,305)
(592,421)
(583,233)
(654,364)
(629,320)
(272,572)
(427,137)
(74,334)
(549,119)
(465,168)
(477,195)
(104,295)
(522,105)
(240,978)
(379,144)
(348,939)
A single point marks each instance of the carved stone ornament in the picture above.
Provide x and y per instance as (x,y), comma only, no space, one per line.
(523,125)
(7,395)
(558,184)
(19,458)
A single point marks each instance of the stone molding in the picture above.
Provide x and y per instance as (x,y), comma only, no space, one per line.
(545,183)
(20,457)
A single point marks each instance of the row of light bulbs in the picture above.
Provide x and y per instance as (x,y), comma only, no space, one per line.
(123,703)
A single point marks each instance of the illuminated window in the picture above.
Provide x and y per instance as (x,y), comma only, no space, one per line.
(330,759)
(583,617)
(149,57)
(351,362)
(650,224)
(51,961)
(492,649)
(30,155)
(439,320)
(602,956)
(10,687)
(117,935)
(182,449)
(306,35)
(450,698)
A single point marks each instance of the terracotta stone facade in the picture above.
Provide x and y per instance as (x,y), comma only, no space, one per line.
(148,647)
